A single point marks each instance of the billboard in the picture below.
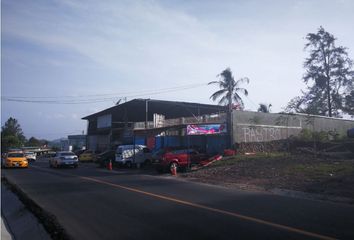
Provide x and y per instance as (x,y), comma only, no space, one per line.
(206,129)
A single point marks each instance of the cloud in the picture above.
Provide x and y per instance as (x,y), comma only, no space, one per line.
(67,47)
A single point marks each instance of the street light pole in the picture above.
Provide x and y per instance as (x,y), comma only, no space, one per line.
(146,113)
(146,120)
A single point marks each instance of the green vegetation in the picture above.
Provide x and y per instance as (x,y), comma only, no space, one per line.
(293,165)
(229,89)
(321,136)
(323,170)
(12,136)
(256,157)
(329,78)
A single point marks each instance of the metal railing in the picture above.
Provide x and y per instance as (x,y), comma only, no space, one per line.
(207,119)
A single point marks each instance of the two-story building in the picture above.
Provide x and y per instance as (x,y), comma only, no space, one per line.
(140,121)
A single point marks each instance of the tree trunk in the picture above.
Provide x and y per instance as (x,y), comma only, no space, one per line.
(329,98)
(229,116)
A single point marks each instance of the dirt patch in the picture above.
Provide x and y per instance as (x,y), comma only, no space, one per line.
(263,172)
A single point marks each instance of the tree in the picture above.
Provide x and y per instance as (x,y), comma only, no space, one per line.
(328,76)
(33,142)
(264,108)
(349,103)
(11,134)
(229,89)
(229,92)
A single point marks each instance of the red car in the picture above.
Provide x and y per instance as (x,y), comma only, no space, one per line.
(165,159)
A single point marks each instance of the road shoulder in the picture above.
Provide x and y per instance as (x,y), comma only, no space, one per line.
(21,222)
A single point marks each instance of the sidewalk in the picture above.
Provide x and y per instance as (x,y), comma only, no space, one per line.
(16,221)
(5,235)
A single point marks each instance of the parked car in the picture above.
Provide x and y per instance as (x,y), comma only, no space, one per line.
(103,158)
(15,159)
(47,156)
(64,159)
(130,155)
(79,152)
(165,159)
(31,156)
(87,156)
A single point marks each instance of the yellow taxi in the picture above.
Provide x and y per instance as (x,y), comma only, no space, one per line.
(87,156)
(15,159)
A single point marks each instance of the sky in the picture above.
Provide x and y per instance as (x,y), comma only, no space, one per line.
(79,57)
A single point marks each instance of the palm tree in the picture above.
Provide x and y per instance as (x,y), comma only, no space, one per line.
(229,89)
(229,92)
(264,108)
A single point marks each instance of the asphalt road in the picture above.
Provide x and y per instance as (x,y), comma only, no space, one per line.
(94,203)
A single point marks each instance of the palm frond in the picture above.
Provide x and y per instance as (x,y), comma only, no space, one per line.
(242,80)
(223,101)
(228,86)
(242,90)
(213,82)
(217,94)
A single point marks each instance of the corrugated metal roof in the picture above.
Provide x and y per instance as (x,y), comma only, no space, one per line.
(134,110)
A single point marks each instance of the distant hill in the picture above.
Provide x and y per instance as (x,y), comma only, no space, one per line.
(56,142)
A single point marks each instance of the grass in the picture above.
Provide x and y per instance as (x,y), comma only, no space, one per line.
(230,160)
(320,170)
(290,165)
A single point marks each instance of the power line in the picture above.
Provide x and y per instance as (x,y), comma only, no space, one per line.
(111,94)
(250,100)
(97,100)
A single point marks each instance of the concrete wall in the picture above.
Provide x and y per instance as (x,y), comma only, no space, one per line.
(265,127)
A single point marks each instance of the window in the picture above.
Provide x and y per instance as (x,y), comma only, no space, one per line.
(67,154)
(146,150)
(104,121)
(15,155)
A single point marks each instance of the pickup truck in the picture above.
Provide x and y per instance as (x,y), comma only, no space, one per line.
(166,159)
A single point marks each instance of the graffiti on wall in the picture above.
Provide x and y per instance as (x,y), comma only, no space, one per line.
(251,134)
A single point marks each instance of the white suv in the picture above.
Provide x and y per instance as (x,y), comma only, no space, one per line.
(130,155)
(31,156)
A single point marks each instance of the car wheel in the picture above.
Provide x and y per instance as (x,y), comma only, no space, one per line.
(147,162)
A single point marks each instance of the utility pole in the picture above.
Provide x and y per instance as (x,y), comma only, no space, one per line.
(146,113)
(146,120)
(229,116)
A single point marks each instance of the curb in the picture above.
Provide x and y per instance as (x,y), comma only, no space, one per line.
(48,220)
(5,230)
(311,196)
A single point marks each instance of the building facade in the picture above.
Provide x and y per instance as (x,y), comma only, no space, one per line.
(141,120)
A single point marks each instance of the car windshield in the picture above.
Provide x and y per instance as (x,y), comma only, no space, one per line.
(67,154)
(14,155)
